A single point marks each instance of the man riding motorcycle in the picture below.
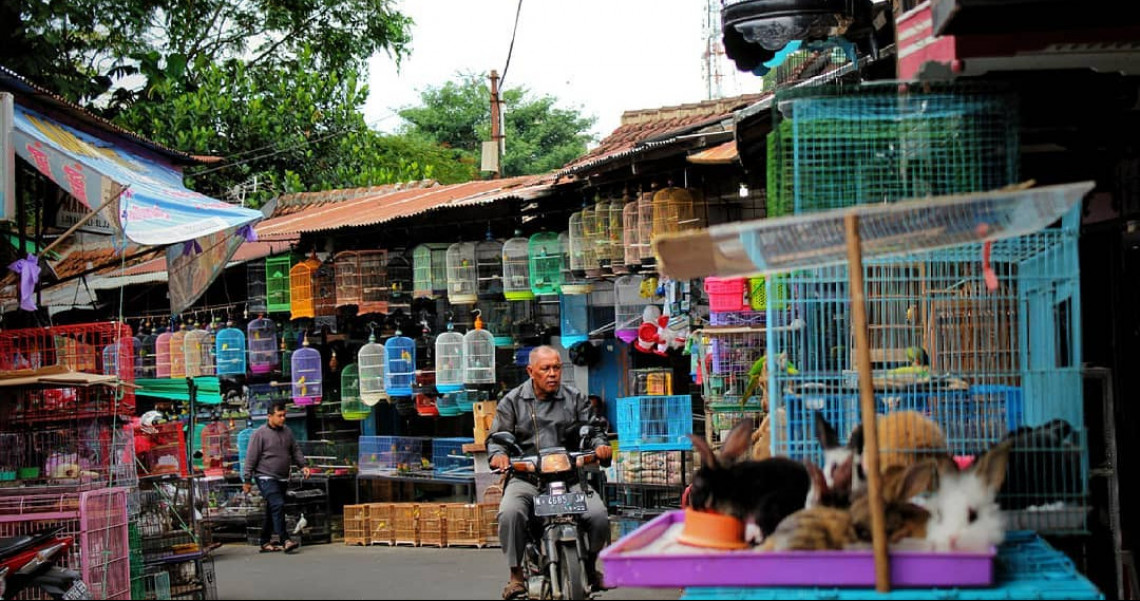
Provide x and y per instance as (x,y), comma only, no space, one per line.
(540,413)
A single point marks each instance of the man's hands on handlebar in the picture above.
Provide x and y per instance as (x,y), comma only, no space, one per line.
(604,452)
(500,462)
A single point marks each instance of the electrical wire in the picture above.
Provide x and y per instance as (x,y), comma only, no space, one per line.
(511,50)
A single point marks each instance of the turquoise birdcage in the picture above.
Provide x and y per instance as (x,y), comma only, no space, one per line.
(544,252)
(230,351)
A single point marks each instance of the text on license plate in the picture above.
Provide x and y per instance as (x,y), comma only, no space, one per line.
(574,502)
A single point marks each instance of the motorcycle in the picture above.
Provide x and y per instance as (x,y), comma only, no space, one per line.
(29,560)
(555,558)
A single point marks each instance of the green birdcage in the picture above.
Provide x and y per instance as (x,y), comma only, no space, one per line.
(277,283)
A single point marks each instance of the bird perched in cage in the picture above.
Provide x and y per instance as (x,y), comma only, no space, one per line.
(758,377)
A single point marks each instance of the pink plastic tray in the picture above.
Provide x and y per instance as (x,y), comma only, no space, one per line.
(787,568)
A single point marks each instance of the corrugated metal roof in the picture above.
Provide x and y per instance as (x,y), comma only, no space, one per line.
(647,129)
(384,207)
(725,154)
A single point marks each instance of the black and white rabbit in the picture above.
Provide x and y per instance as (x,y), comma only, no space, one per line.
(1044,466)
(759,493)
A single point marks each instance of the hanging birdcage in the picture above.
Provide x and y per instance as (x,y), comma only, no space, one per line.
(255,287)
(429,264)
(645,227)
(572,283)
(449,363)
(307,374)
(425,397)
(115,356)
(631,243)
(162,355)
(362,280)
(479,355)
(371,359)
(575,318)
(277,283)
(489,268)
(516,269)
(577,247)
(399,282)
(629,305)
(302,288)
(462,275)
(599,236)
(400,365)
(502,319)
(199,353)
(178,354)
(262,340)
(351,407)
(675,210)
(230,351)
(544,252)
(590,267)
(146,353)
(617,235)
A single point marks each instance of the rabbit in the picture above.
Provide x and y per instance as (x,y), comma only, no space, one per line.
(964,513)
(905,437)
(904,518)
(759,493)
(1044,466)
(814,529)
(762,439)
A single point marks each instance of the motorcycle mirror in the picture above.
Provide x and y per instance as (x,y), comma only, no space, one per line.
(507,440)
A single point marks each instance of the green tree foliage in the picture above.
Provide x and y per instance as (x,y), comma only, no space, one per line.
(539,136)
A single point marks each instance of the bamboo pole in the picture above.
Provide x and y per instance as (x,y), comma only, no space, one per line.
(867,403)
(81,222)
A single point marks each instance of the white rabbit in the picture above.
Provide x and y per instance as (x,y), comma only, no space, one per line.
(964,513)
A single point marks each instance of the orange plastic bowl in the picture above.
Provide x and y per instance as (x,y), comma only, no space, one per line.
(712,530)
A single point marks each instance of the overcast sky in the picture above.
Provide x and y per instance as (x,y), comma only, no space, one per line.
(600,56)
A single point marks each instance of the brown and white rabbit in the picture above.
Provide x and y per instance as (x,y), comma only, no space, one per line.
(821,525)
(905,437)
(904,518)
(964,513)
(759,493)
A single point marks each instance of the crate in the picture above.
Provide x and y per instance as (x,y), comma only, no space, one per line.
(406,524)
(432,520)
(489,522)
(381,455)
(381,523)
(655,423)
(651,382)
(356,525)
(637,499)
(448,458)
(726,294)
(464,525)
(738,318)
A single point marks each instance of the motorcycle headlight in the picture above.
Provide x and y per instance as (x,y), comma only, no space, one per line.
(555,463)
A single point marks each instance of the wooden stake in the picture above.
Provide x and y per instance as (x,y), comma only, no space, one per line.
(81,222)
(867,403)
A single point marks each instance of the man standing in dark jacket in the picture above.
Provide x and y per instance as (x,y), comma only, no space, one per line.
(540,413)
(272,450)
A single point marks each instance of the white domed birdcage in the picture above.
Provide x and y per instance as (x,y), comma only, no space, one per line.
(479,355)
(371,360)
(449,364)
(571,282)
(462,274)
(516,269)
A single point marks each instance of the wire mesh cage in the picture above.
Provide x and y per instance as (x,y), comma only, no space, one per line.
(262,341)
(544,254)
(677,209)
(617,234)
(145,356)
(178,353)
(478,355)
(834,146)
(389,454)
(571,281)
(733,368)
(462,274)
(645,228)
(516,269)
(631,240)
(400,365)
(578,246)
(84,453)
(575,318)
(304,288)
(218,446)
(229,351)
(489,268)
(429,262)
(371,360)
(655,423)
(362,280)
(307,376)
(199,351)
(400,281)
(255,287)
(803,64)
(975,364)
(162,355)
(53,349)
(351,407)
(598,235)
(449,362)
(277,283)
(628,306)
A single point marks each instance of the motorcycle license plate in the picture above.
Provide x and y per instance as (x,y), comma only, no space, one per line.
(78,590)
(569,503)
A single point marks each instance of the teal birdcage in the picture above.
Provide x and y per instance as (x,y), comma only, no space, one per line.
(449,362)
(544,254)
(277,283)
(230,351)
(833,146)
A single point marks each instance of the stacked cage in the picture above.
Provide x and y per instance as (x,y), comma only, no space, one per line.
(731,371)
(970,345)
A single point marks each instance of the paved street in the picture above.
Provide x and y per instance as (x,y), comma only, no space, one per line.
(337,571)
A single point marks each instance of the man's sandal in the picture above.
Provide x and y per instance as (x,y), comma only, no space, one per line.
(270,548)
(515,590)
